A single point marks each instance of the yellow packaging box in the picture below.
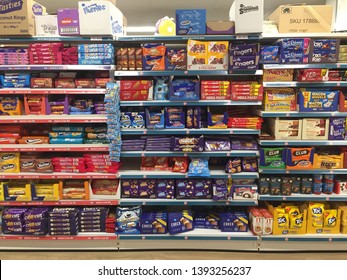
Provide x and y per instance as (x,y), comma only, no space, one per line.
(45,192)
(2,198)
(11,106)
(280,99)
(328,161)
(207,55)
(329,224)
(9,162)
(17,191)
(281,224)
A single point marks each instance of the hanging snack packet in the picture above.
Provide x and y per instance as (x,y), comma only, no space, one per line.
(198,167)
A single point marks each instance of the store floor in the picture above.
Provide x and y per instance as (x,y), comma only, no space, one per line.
(170,255)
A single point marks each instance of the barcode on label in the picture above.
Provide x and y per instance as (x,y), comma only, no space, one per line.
(69,30)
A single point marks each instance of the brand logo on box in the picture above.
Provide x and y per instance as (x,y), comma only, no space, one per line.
(286,10)
(37,9)
(247,9)
(94,8)
(10,6)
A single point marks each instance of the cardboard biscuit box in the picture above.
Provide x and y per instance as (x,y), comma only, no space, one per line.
(18,17)
(110,20)
(248,16)
(220,27)
(47,25)
(303,18)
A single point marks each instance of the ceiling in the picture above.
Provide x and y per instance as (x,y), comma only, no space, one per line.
(147,12)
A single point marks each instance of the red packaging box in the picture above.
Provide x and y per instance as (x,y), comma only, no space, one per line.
(134,95)
(85,83)
(101,82)
(65,83)
(41,83)
(135,84)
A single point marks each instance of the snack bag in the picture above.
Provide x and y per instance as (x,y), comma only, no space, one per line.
(198,167)
(330,217)
(180,164)
(296,221)
(316,211)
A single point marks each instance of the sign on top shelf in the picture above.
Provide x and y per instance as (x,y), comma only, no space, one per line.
(18,17)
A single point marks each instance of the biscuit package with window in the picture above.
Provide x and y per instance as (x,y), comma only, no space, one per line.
(128,220)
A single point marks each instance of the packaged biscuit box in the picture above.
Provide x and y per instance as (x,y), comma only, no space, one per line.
(273,158)
(311,100)
(300,158)
(280,99)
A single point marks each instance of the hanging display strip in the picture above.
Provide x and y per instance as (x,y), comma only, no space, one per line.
(54,148)
(51,91)
(53,119)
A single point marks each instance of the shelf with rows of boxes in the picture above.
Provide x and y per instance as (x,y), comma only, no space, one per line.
(302,146)
(184,139)
(64,162)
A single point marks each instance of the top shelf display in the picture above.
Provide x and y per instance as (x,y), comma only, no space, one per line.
(146,38)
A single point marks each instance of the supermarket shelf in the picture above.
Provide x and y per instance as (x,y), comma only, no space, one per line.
(306,66)
(57,175)
(186,38)
(54,119)
(305,84)
(34,39)
(297,114)
(187,73)
(215,174)
(303,35)
(82,241)
(186,131)
(189,103)
(304,197)
(56,67)
(52,91)
(60,203)
(309,171)
(213,239)
(238,153)
(307,242)
(301,143)
(183,202)
(54,148)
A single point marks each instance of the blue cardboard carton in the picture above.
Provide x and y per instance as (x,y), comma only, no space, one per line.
(191,22)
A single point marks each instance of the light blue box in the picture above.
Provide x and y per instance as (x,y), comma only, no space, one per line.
(191,22)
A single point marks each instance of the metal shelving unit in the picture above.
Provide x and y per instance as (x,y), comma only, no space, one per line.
(302,143)
(189,103)
(305,84)
(304,197)
(70,91)
(296,114)
(233,153)
(54,148)
(185,202)
(213,239)
(187,73)
(54,119)
(308,171)
(185,131)
(55,67)
(57,175)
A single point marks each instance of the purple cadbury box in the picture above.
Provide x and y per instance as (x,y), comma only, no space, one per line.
(68,22)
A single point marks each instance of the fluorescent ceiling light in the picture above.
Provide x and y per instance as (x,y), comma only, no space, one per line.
(137,29)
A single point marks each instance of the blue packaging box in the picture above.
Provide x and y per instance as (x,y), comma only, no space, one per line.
(153,223)
(191,22)
(312,100)
(180,221)
(207,220)
(233,222)
(184,89)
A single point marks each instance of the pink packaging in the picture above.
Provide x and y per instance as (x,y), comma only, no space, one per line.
(68,22)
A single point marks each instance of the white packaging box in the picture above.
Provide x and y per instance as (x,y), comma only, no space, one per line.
(101,18)
(47,26)
(339,14)
(285,129)
(315,129)
(248,16)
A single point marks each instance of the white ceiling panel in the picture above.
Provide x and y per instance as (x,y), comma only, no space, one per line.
(147,12)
